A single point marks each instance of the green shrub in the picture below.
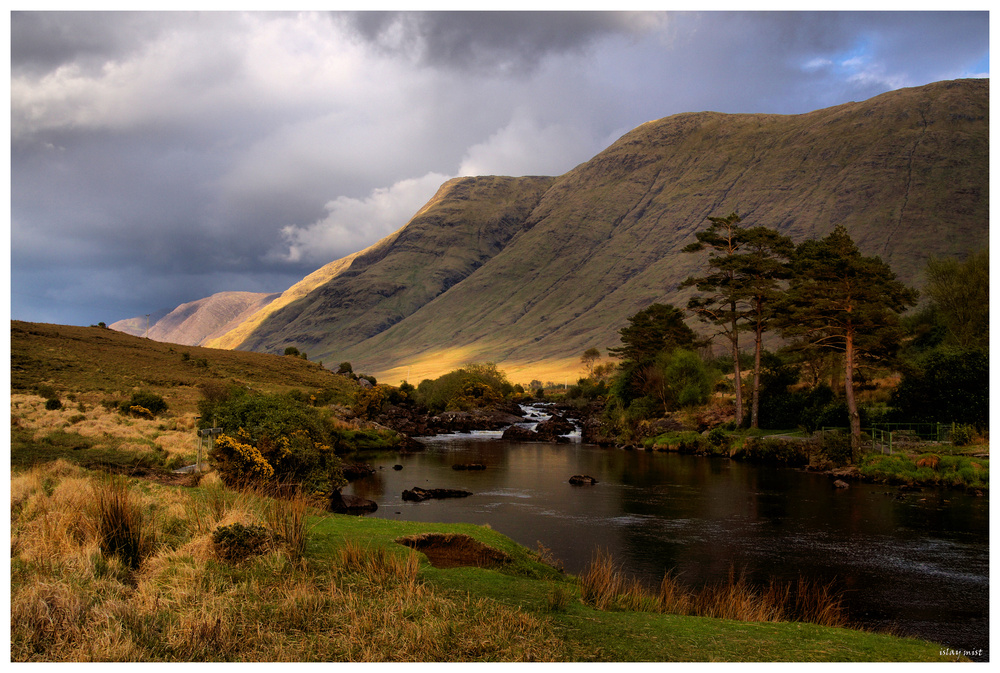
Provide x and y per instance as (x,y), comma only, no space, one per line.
(276,439)
(53,403)
(147,401)
(772,451)
(836,446)
(718,437)
(963,435)
(473,386)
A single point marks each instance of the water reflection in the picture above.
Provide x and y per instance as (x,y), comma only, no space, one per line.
(918,563)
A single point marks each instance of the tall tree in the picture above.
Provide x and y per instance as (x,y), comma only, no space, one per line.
(718,305)
(760,268)
(840,300)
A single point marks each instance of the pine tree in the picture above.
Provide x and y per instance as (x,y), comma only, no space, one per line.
(718,303)
(840,300)
(760,268)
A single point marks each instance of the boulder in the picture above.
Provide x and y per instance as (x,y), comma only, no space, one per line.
(417,494)
(351,504)
(553,427)
(582,480)
(840,483)
(517,433)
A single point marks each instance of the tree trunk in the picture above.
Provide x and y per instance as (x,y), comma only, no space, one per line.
(734,339)
(755,402)
(852,405)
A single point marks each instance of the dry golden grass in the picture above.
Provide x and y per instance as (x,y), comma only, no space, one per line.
(603,586)
(73,598)
(174,435)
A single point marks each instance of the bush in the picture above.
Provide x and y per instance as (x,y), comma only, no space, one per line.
(963,435)
(275,439)
(836,446)
(149,402)
(718,437)
(770,451)
(53,403)
(471,387)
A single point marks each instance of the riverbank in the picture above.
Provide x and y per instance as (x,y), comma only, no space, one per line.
(325,587)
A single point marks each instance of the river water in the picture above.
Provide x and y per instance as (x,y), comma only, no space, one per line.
(915,563)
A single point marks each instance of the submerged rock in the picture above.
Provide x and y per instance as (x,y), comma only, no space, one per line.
(582,480)
(468,466)
(417,494)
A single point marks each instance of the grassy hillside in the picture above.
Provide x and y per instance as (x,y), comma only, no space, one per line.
(461,229)
(95,363)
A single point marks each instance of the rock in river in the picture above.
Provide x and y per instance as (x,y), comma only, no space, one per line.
(416,494)
(582,479)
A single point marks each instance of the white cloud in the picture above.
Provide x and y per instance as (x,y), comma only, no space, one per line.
(352,224)
(526,147)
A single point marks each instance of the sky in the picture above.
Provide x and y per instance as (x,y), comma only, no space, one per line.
(160,157)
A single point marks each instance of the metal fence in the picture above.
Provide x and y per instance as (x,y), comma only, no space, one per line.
(884,435)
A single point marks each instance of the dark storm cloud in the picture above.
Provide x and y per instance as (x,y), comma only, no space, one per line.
(159,157)
(493,41)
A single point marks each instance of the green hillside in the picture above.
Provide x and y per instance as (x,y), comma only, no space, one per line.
(530,272)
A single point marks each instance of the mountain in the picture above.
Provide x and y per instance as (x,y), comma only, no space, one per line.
(195,322)
(530,272)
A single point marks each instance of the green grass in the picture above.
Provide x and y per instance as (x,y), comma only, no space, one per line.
(594,635)
(938,469)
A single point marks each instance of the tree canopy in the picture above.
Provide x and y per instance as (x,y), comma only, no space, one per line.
(656,328)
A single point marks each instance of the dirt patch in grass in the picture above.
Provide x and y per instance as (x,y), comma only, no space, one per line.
(454,550)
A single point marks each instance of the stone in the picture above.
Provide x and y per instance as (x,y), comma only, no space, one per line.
(582,480)
(351,504)
(517,433)
(417,494)
(840,483)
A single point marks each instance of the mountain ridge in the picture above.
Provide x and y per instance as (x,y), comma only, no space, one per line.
(567,259)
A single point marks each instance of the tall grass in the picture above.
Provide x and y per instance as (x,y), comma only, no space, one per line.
(604,586)
(123,530)
(102,570)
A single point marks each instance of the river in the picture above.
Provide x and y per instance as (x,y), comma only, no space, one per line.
(916,563)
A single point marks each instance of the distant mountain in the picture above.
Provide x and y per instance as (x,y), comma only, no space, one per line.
(530,272)
(193,323)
